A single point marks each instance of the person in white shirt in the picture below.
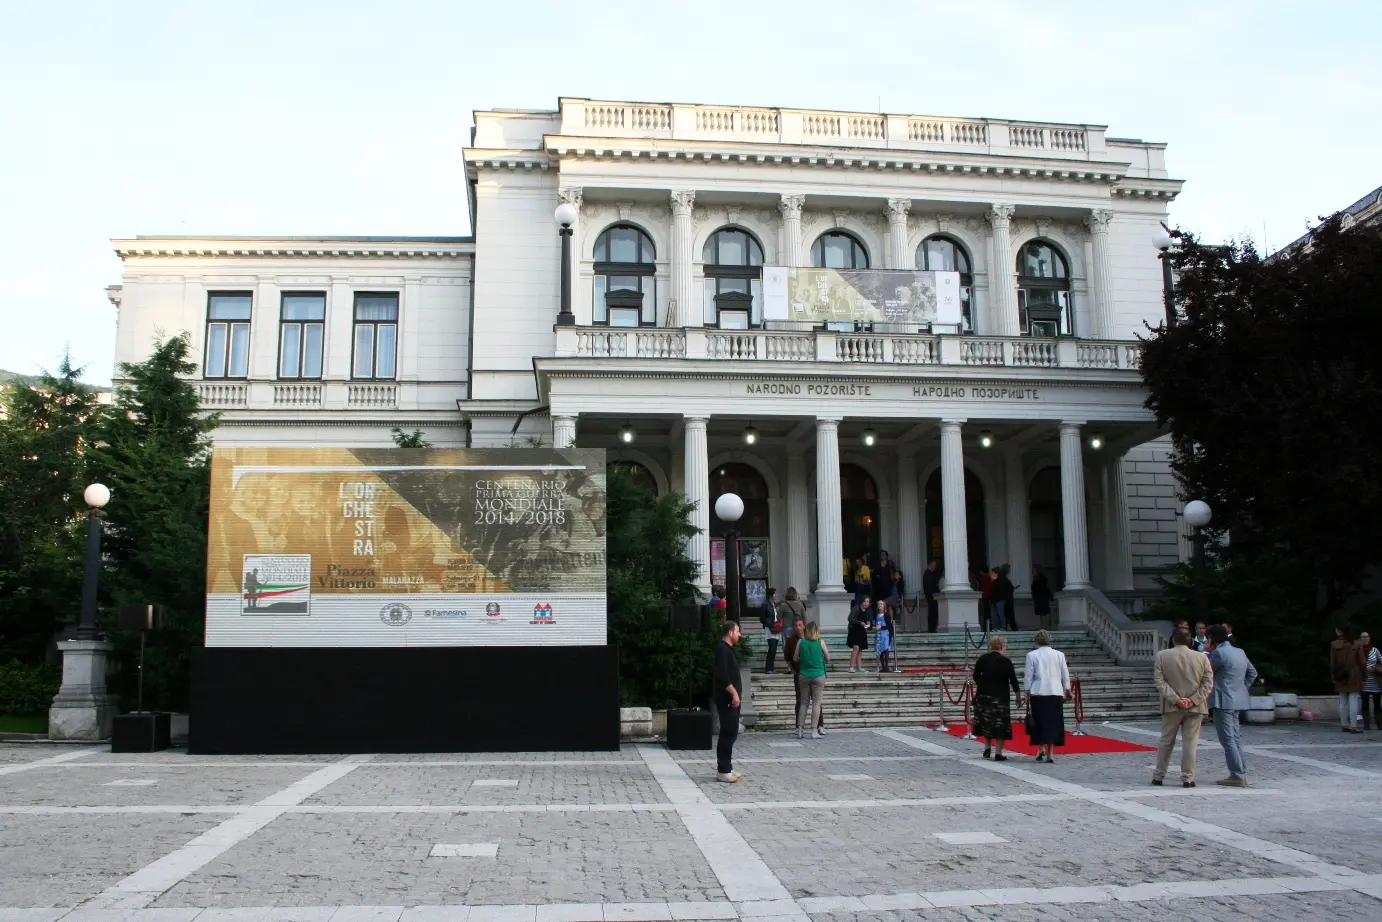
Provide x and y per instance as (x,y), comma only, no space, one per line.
(1047,680)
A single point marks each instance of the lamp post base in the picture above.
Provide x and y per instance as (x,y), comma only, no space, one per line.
(82,710)
(566,320)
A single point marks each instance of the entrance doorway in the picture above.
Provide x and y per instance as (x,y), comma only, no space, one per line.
(976,525)
(858,515)
(1048,525)
(755,548)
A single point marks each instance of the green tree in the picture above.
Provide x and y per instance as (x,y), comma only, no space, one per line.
(44,439)
(647,573)
(412,439)
(154,454)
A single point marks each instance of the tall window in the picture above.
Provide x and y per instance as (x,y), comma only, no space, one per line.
(228,334)
(301,320)
(941,254)
(838,250)
(376,335)
(625,277)
(733,280)
(1043,290)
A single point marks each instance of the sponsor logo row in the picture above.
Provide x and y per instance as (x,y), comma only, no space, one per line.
(398,614)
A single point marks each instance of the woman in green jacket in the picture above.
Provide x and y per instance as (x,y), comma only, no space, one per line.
(811,656)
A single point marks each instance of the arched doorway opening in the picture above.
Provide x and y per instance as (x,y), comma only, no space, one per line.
(976,524)
(1047,525)
(754,546)
(639,474)
(858,514)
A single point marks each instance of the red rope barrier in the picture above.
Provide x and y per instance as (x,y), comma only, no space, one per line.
(968,696)
(964,692)
(1078,695)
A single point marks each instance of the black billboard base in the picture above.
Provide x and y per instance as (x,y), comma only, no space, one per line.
(141,731)
(313,700)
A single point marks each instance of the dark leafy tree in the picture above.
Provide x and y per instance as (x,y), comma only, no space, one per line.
(412,439)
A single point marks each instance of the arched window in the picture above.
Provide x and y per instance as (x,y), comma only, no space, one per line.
(1043,290)
(941,254)
(640,475)
(838,250)
(733,280)
(625,277)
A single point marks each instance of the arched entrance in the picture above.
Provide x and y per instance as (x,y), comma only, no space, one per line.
(976,525)
(859,513)
(1047,525)
(754,546)
(639,474)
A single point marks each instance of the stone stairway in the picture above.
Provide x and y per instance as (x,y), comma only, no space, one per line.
(870,699)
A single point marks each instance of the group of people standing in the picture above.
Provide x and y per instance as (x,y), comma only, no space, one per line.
(1354,664)
(1046,684)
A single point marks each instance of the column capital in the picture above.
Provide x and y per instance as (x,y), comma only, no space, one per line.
(1098,220)
(571,195)
(953,423)
(1000,213)
(1067,425)
(828,422)
(897,208)
(695,422)
(682,201)
(790,206)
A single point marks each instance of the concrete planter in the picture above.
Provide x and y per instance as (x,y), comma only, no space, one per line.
(660,724)
(635,723)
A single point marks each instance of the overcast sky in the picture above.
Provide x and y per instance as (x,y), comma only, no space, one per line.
(348,117)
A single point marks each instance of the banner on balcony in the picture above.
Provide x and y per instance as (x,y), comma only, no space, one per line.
(907,296)
(335,547)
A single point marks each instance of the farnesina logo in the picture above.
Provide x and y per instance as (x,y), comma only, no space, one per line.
(396,613)
(451,614)
(542,614)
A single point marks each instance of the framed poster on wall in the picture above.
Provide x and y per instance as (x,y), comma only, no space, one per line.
(753,558)
(755,595)
(717,561)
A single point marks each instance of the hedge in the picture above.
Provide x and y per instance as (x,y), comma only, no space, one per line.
(27,690)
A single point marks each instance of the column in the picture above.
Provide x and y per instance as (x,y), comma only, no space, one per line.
(1098,221)
(1119,547)
(572,196)
(909,527)
(829,533)
(1072,507)
(688,307)
(698,493)
(563,432)
(1003,319)
(798,524)
(1018,516)
(790,209)
(897,233)
(955,530)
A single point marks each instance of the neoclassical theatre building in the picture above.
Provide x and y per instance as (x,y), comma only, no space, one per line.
(1016,434)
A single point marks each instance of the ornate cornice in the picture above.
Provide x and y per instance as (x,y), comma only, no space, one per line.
(279,247)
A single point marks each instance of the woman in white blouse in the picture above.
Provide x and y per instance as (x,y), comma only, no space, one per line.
(1047,680)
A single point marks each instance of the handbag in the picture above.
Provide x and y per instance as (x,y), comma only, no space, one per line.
(776,627)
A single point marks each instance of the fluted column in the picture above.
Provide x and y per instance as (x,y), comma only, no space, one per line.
(1002,274)
(798,524)
(1117,537)
(1072,507)
(955,529)
(897,233)
(1097,221)
(689,311)
(697,478)
(908,525)
(829,535)
(1018,525)
(563,432)
(790,209)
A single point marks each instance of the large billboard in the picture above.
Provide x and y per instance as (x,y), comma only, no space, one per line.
(914,297)
(335,547)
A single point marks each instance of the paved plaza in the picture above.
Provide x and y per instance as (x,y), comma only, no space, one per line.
(863,826)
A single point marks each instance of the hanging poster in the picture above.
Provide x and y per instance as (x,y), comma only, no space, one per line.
(753,558)
(914,297)
(717,561)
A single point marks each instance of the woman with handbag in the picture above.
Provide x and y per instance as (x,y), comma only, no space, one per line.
(993,676)
(857,635)
(772,629)
(1047,680)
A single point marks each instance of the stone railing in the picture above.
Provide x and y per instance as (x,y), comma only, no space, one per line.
(372,396)
(222,395)
(1128,641)
(297,395)
(851,348)
(601,118)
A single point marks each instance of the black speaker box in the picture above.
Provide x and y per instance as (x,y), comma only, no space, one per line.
(688,728)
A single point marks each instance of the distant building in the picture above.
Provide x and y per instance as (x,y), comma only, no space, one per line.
(1367,210)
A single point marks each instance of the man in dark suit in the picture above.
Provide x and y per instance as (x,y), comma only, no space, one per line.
(931,588)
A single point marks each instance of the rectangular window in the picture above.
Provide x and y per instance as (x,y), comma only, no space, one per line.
(376,335)
(301,325)
(227,334)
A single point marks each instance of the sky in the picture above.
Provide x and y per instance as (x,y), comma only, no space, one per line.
(347,117)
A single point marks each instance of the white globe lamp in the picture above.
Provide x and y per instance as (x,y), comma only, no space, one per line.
(1197,513)
(729,507)
(97,495)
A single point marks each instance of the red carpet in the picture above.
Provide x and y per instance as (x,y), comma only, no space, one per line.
(1074,745)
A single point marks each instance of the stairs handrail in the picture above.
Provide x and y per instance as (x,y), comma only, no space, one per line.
(1129,642)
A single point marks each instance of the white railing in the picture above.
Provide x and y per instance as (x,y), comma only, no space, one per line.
(916,351)
(732,345)
(1097,355)
(1034,353)
(660,344)
(789,348)
(981,352)
(859,348)
(372,395)
(601,343)
(297,395)
(223,395)
(1130,642)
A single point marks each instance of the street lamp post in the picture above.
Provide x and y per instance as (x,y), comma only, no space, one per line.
(729,508)
(566,215)
(1163,241)
(1197,515)
(96,497)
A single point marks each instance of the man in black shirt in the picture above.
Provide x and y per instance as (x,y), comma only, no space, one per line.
(728,686)
(931,587)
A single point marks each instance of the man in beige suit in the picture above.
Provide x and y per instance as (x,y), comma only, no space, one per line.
(1184,679)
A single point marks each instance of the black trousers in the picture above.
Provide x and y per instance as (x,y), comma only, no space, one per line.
(729,731)
(933,615)
(1373,700)
(772,654)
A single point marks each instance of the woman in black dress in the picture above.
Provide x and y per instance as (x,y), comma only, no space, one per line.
(1041,597)
(858,634)
(994,675)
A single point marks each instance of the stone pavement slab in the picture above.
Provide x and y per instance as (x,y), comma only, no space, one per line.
(591,783)
(96,786)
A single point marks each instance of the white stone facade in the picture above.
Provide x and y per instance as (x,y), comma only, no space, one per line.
(479,359)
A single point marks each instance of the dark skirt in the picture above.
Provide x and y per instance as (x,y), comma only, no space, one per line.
(858,636)
(1047,720)
(993,717)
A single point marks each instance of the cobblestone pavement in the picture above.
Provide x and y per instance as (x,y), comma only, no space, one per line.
(862,826)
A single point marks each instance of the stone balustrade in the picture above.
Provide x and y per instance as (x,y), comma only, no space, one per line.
(853,348)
